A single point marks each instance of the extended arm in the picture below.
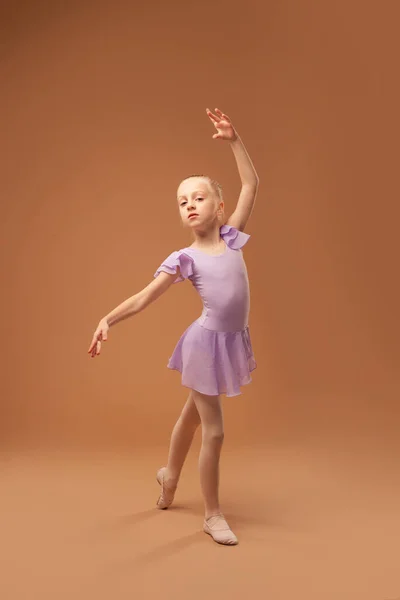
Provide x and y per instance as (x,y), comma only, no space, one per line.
(142,299)
(248,193)
(247,172)
(130,307)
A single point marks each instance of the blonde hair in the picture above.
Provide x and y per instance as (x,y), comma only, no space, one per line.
(215,186)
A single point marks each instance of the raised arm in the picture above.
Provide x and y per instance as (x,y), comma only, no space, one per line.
(131,306)
(247,172)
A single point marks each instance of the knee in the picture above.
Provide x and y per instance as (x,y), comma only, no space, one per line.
(213,435)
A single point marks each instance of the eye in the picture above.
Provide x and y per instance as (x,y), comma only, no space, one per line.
(199,198)
(182,203)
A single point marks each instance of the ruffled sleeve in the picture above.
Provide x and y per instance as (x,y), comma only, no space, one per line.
(233,238)
(174,260)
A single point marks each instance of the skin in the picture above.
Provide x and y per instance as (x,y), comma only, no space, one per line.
(201,210)
(195,195)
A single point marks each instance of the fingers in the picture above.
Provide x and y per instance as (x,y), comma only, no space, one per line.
(96,349)
(95,346)
(222,115)
(213,117)
(102,338)
(220,120)
(94,341)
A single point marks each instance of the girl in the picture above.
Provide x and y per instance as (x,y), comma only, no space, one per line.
(214,355)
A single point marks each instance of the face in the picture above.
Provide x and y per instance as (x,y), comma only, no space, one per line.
(198,204)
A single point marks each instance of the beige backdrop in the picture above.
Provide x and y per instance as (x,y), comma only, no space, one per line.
(102,109)
(103,113)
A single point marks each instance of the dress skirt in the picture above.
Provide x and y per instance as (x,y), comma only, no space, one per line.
(214,362)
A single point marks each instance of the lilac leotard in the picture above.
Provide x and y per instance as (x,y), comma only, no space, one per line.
(214,355)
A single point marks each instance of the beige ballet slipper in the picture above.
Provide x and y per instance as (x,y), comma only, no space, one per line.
(218,528)
(167,494)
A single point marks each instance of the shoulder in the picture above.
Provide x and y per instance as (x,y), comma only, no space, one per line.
(233,238)
(179,262)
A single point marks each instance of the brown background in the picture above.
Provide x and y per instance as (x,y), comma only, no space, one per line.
(103,113)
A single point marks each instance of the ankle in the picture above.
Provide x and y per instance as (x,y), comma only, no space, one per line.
(171,479)
(213,513)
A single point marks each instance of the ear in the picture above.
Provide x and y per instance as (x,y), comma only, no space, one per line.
(221,213)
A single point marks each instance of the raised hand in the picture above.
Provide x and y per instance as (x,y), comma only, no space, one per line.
(100,335)
(223,125)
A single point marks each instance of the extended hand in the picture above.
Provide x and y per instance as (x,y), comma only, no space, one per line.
(100,335)
(223,125)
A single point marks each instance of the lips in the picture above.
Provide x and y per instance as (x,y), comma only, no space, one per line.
(192,215)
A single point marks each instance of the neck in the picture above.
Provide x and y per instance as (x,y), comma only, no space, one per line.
(208,239)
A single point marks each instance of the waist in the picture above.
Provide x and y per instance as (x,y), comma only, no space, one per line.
(223,322)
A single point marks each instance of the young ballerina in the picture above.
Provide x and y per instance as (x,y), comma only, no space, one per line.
(214,355)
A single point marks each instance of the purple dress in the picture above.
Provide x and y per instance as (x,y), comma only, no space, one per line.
(214,354)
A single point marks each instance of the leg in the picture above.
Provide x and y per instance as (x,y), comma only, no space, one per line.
(181,440)
(210,411)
